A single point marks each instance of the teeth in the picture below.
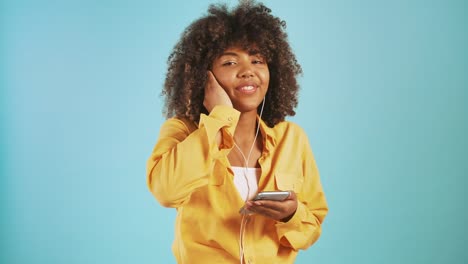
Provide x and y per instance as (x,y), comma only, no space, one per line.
(248,88)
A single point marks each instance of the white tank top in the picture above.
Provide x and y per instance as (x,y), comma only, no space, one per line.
(246,181)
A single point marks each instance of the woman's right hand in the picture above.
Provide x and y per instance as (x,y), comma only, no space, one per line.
(214,94)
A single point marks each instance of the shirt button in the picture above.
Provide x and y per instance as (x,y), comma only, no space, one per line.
(229,118)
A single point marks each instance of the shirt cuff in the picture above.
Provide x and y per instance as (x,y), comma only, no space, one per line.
(291,231)
(223,118)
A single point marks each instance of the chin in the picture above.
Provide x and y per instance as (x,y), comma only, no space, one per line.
(246,108)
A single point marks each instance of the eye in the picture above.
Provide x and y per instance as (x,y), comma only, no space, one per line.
(257,62)
(229,63)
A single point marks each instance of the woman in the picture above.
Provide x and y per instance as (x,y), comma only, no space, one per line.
(230,84)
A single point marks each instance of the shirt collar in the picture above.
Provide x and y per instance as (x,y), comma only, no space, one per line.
(269,139)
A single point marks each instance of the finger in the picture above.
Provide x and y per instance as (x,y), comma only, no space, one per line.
(292,195)
(212,84)
(268,212)
(274,205)
(210,75)
(274,209)
(210,80)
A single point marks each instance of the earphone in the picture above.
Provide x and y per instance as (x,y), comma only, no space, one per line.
(245,216)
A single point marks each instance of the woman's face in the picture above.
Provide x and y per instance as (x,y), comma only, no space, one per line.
(244,77)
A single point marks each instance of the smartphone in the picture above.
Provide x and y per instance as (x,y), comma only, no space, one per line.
(272,195)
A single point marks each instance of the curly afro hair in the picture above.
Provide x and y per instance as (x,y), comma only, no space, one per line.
(250,26)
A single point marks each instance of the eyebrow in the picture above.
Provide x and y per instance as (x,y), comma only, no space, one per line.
(229,54)
(252,53)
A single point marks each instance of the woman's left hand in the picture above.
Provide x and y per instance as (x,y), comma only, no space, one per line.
(277,210)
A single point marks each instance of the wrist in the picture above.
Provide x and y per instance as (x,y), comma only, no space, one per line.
(286,219)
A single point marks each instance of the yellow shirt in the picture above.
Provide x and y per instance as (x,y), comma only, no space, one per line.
(189,171)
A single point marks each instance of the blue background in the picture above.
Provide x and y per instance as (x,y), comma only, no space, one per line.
(383,101)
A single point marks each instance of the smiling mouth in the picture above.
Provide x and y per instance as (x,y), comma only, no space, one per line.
(248,88)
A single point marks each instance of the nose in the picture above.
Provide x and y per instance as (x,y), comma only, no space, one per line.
(246,72)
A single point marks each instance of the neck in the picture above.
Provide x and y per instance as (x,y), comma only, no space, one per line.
(247,145)
(246,129)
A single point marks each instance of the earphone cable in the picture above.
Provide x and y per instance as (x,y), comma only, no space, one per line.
(245,217)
